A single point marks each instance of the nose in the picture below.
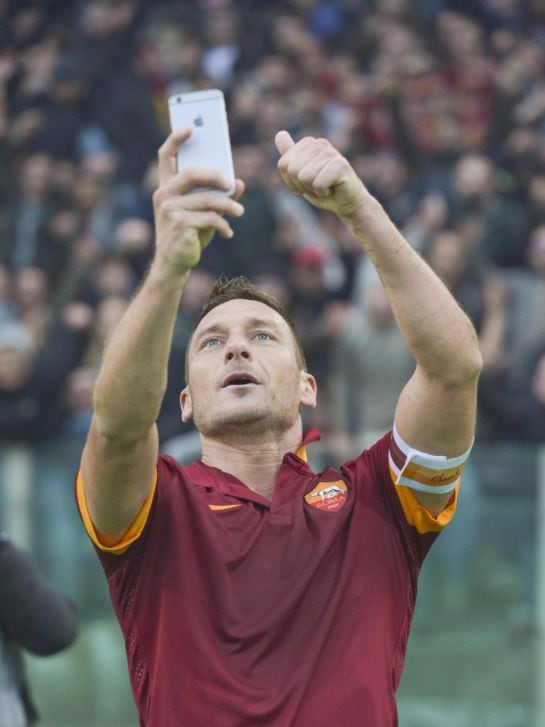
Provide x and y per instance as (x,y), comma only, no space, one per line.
(236,348)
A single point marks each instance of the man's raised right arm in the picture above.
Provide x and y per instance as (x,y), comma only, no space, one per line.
(119,458)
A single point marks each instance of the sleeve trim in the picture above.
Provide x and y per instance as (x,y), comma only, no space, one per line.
(133,532)
(421,518)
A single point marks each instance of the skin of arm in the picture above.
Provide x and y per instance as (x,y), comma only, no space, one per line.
(120,454)
(437,407)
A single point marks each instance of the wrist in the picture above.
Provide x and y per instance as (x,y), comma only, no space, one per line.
(163,273)
(360,219)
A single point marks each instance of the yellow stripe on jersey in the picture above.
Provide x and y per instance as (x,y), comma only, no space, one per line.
(417,515)
(224,507)
(133,532)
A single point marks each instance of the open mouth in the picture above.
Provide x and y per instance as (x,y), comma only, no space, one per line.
(239,380)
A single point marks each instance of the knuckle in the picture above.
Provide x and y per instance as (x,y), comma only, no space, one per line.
(162,150)
(188,175)
(181,221)
(179,218)
(220,202)
(171,206)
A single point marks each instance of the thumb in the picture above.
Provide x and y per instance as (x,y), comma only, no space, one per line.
(283,142)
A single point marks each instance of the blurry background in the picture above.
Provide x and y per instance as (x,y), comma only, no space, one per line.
(440,106)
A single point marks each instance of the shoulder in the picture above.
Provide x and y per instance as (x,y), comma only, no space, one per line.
(168,468)
(173,479)
(371,466)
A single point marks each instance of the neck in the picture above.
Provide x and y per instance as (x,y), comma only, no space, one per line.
(253,459)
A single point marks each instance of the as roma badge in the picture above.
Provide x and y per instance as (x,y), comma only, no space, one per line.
(329,496)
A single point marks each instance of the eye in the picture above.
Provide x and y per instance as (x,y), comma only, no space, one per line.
(211,342)
(263,336)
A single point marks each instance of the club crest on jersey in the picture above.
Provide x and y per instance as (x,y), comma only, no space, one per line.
(329,496)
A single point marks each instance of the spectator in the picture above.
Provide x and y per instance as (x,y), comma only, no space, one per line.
(33,616)
(526,288)
(370,367)
(32,205)
(78,399)
(313,308)
(30,384)
(106,43)
(448,133)
(481,295)
(501,219)
(259,221)
(514,409)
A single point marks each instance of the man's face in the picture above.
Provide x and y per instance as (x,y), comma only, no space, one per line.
(243,372)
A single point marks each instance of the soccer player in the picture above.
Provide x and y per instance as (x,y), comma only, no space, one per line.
(250,589)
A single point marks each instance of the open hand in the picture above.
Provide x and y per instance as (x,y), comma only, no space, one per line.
(312,168)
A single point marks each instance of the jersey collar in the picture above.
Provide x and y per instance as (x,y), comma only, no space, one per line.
(229,484)
(310,436)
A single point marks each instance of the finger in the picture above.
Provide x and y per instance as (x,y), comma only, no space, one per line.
(192,177)
(205,221)
(240,188)
(207,201)
(283,142)
(314,153)
(290,183)
(309,171)
(329,176)
(297,156)
(295,151)
(168,152)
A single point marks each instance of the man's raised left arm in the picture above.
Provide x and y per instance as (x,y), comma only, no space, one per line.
(436,410)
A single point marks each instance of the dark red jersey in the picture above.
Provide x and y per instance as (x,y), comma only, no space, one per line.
(243,612)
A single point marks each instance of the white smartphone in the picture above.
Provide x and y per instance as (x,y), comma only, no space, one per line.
(209,144)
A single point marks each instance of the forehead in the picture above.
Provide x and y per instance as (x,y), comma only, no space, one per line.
(240,313)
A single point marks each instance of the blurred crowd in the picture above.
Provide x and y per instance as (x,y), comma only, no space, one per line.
(439,105)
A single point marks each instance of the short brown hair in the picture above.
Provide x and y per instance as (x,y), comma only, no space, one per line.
(226,289)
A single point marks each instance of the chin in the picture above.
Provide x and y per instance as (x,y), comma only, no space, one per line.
(235,421)
(251,421)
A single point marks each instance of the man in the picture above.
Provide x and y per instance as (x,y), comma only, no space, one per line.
(250,590)
(33,616)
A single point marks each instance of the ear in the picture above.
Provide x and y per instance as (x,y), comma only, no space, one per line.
(186,405)
(308,390)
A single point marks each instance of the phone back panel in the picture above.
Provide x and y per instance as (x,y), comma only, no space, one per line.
(209,144)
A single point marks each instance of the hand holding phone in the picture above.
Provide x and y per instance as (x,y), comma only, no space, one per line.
(189,207)
(209,144)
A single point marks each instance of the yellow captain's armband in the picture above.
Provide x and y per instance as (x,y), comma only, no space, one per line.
(430,473)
